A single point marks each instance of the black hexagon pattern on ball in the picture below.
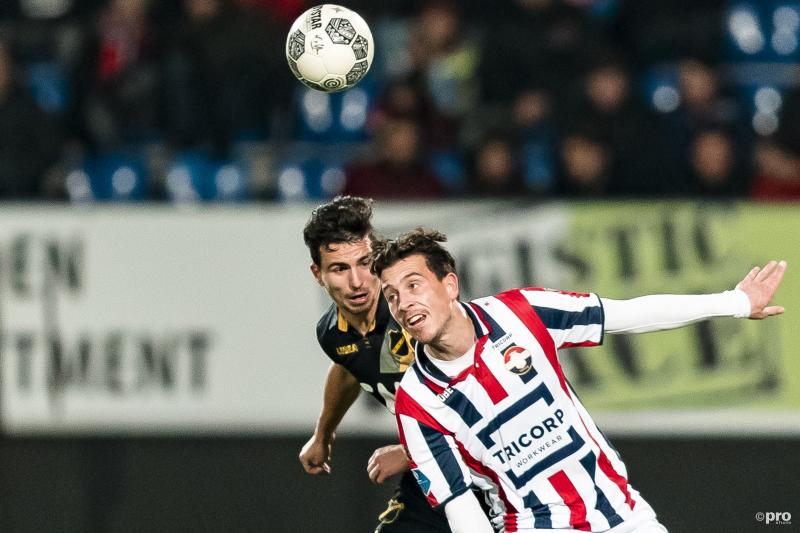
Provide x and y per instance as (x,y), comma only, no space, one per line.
(357,72)
(361,47)
(297,44)
(295,70)
(340,31)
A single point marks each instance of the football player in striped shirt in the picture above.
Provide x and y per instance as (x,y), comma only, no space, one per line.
(486,403)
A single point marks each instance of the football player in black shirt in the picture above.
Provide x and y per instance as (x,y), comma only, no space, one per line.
(368,349)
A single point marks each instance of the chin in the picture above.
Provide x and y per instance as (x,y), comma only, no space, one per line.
(360,308)
(425,337)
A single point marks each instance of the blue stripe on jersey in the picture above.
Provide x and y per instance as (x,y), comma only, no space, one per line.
(443,454)
(589,462)
(431,369)
(473,316)
(550,460)
(497,331)
(541,512)
(539,393)
(458,402)
(560,319)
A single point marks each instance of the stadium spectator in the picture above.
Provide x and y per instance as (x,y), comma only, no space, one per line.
(220,84)
(777,173)
(777,158)
(544,43)
(605,97)
(407,97)
(398,171)
(496,168)
(586,164)
(705,102)
(704,98)
(116,87)
(532,118)
(716,165)
(30,140)
(445,59)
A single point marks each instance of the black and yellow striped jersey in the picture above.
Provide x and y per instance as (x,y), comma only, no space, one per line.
(377,359)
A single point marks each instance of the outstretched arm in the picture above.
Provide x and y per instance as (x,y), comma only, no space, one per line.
(341,390)
(750,299)
(760,285)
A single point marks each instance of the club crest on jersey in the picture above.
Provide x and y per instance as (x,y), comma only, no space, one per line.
(396,352)
(517,360)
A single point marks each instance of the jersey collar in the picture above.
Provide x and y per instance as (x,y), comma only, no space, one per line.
(382,315)
(431,371)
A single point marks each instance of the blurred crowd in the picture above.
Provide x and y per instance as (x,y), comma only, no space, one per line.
(192,100)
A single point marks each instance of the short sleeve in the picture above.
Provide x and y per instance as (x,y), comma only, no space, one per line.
(571,318)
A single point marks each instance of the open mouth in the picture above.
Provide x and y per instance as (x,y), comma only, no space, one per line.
(359,298)
(415,320)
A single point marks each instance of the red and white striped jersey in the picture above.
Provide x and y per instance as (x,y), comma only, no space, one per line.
(511,425)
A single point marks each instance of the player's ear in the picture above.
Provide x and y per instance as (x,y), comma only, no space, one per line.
(317,273)
(450,282)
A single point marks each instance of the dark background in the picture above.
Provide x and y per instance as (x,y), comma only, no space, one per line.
(257,484)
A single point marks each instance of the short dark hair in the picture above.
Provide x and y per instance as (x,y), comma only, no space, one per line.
(418,241)
(343,219)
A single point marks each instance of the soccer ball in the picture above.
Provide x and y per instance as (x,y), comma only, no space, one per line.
(329,48)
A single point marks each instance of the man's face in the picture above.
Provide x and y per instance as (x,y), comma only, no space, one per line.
(418,300)
(344,271)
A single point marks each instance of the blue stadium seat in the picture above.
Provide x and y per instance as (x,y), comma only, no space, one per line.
(111,177)
(195,176)
(763,31)
(310,179)
(660,87)
(334,117)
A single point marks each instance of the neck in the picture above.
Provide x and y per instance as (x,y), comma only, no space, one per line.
(361,321)
(456,338)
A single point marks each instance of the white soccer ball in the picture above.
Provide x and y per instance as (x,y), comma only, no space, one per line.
(329,48)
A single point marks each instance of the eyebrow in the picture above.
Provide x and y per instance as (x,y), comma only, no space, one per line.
(390,286)
(344,263)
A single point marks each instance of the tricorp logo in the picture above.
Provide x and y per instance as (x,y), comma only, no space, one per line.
(517,360)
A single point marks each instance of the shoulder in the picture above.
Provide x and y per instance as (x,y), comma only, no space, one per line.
(555,298)
(327,327)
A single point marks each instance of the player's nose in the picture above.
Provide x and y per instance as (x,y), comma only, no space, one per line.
(356,278)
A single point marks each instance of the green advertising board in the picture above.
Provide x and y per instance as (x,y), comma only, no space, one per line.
(625,250)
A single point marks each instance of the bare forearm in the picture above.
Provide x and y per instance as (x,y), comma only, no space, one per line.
(341,390)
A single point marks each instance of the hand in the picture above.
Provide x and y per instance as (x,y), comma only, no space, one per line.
(760,285)
(387,462)
(315,456)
